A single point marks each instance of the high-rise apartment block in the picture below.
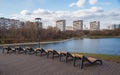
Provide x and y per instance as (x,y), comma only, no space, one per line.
(5,22)
(61,24)
(95,25)
(78,25)
(114,26)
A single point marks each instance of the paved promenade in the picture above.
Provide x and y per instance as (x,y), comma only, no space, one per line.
(21,64)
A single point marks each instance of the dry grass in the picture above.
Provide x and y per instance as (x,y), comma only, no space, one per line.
(112,58)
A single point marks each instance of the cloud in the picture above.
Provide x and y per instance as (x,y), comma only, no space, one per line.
(17,17)
(41,12)
(49,17)
(79,3)
(25,12)
(93,2)
(88,12)
(72,4)
(96,9)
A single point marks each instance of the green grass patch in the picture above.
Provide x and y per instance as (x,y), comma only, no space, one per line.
(112,58)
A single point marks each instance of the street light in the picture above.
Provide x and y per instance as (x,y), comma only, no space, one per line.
(38,21)
(4,32)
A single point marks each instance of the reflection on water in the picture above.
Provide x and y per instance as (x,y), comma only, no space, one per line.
(99,46)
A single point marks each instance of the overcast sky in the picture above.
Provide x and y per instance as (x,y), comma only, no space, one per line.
(105,11)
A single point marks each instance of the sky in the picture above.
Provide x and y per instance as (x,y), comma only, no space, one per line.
(105,11)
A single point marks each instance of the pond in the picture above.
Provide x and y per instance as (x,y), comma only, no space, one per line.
(98,46)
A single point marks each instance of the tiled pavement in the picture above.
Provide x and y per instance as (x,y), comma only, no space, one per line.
(21,64)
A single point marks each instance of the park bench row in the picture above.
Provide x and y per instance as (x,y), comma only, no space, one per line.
(53,53)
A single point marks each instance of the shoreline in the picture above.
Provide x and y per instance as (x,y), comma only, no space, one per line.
(48,42)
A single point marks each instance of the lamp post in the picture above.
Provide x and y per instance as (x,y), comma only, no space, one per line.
(4,32)
(38,20)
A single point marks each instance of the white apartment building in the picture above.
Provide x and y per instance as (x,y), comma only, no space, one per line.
(95,25)
(61,24)
(78,25)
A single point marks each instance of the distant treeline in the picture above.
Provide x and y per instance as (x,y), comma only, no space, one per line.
(30,32)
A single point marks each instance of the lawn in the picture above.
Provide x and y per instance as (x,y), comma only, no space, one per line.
(112,58)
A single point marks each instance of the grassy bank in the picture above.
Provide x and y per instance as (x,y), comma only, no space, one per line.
(95,37)
(112,58)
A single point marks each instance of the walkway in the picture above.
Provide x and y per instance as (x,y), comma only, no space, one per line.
(20,64)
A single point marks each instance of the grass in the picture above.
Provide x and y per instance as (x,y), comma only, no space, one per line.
(97,36)
(112,58)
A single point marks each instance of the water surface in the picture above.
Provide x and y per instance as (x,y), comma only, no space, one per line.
(99,46)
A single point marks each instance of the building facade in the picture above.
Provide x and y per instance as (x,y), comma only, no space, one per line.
(114,26)
(61,24)
(78,25)
(5,22)
(95,25)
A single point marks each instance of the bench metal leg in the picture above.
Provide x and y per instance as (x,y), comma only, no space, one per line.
(82,62)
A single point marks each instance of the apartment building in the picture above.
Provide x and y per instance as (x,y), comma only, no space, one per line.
(78,25)
(6,22)
(95,25)
(114,26)
(61,24)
